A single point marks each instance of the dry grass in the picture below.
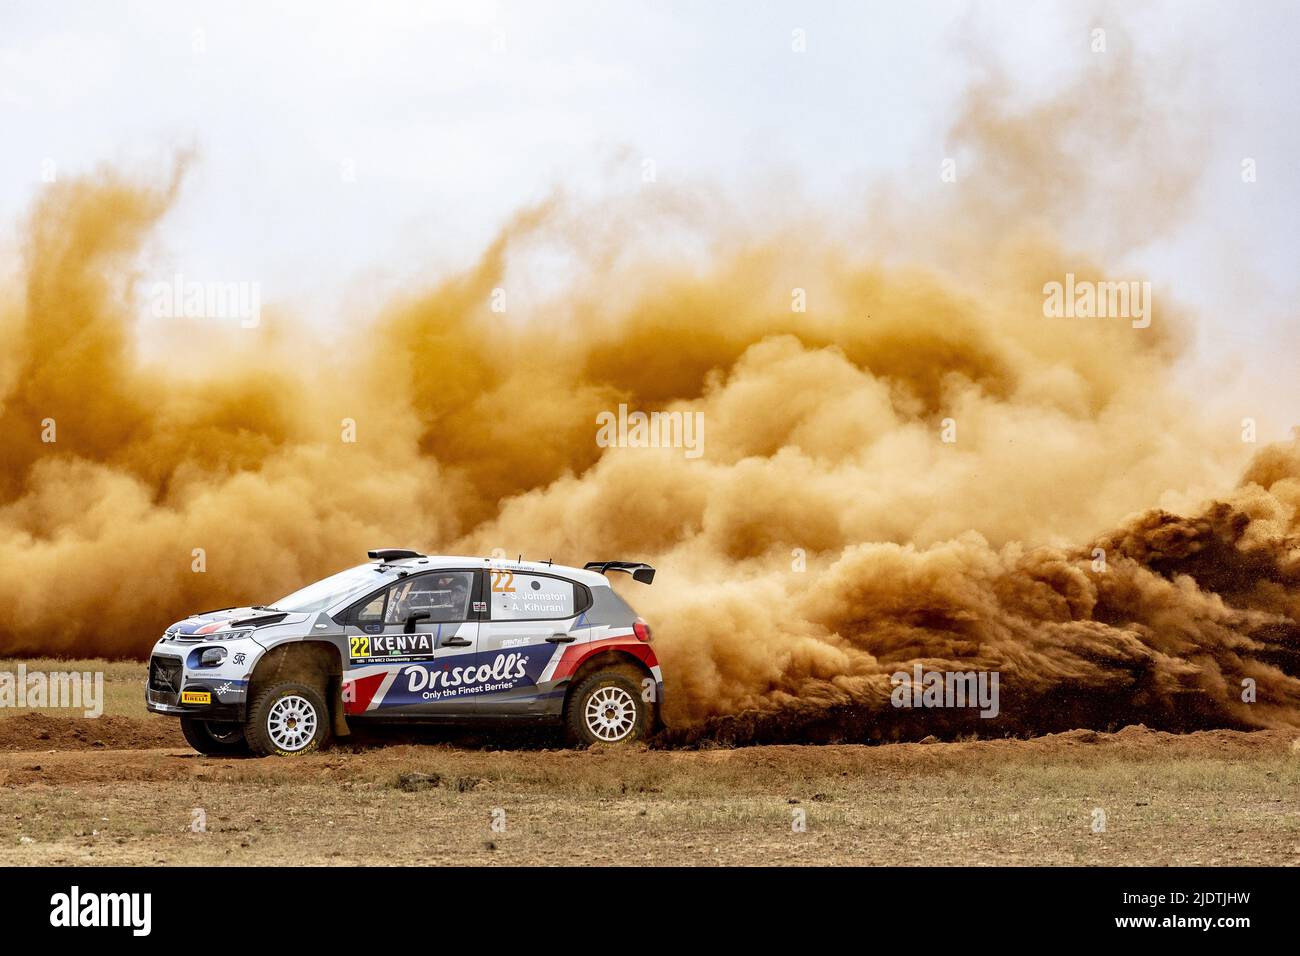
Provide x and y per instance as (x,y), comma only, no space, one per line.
(69,793)
(123,683)
(1212,798)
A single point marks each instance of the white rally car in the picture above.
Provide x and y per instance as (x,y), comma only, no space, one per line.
(412,637)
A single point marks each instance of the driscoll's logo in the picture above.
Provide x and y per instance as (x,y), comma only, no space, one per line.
(503,667)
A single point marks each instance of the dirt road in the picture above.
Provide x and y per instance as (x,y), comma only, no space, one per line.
(1135,797)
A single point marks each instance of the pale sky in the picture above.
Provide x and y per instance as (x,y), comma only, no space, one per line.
(454,115)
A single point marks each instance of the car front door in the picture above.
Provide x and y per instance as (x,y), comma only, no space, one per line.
(405,642)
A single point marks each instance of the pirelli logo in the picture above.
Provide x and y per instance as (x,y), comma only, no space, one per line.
(196,697)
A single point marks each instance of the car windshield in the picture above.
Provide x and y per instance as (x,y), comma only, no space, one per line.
(332,590)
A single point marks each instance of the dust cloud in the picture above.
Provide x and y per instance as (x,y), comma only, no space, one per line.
(917,468)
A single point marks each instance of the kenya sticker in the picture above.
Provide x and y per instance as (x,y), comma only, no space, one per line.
(385,648)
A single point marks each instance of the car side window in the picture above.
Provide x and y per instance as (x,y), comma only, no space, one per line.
(372,612)
(443,597)
(518,596)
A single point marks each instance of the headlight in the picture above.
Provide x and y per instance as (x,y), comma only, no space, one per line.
(212,656)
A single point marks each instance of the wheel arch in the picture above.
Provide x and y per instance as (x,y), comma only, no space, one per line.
(314,662)
(610,658)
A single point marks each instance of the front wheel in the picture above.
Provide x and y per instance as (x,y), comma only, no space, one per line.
(607,708)
(288,720)
(216,738)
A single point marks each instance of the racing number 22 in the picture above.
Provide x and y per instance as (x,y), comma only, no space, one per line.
(503,581)
(360,647)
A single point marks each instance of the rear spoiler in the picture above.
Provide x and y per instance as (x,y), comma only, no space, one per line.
(640,572)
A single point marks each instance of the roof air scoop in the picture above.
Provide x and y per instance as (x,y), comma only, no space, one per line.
(392,554)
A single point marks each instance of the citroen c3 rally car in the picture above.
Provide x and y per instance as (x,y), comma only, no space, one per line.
(411,637)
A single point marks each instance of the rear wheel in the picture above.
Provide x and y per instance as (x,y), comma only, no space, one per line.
(607,708)
(217,738)
(287,719)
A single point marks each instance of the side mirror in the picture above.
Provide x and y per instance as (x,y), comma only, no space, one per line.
(413,618)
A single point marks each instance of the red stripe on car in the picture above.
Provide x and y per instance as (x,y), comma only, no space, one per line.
(574,656)
(363,691)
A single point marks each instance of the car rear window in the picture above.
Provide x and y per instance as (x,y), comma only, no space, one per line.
(520,596)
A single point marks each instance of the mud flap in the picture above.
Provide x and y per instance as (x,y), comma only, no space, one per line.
(338,719)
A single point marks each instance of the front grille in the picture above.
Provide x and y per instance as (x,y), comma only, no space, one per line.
(165,674)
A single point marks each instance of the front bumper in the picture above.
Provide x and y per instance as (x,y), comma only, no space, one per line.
(171,683)
(234,713)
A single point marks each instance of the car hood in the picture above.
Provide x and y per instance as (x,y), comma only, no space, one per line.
(209,621)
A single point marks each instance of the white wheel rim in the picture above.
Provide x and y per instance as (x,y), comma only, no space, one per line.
(610,714)
(291,723)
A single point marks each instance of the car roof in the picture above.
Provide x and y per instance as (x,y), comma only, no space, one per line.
(433,562)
